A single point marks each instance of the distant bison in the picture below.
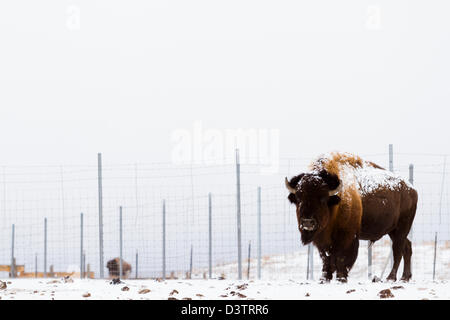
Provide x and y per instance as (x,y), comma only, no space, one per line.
(344,199)
(113,266)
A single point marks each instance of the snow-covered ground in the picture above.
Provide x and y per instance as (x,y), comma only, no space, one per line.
(57,289)
(294,265)
(283,278)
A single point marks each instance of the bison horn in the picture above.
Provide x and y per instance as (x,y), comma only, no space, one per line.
(336,191)
(288,186)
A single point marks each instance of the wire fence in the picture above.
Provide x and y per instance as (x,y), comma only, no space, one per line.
(183,219)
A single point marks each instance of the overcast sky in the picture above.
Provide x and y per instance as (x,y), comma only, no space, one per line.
(119,77)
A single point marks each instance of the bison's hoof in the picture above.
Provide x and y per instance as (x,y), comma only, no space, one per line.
(376,279)
(391,278)
(326,277)
(342,279)
(406,278)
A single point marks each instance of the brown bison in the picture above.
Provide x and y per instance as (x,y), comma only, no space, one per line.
(344,199)
(113,266)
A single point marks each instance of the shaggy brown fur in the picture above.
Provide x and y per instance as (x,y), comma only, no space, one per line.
(336,222)
(114,268)
(334,163)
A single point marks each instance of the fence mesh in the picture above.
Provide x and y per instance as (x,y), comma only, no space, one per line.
(59,194)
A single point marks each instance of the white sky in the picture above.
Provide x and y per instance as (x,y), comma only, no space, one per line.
(322,72)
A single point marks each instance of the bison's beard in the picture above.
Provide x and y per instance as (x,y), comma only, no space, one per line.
(307,236)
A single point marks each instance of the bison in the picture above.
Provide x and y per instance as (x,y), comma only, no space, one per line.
(343,199)
(113,266)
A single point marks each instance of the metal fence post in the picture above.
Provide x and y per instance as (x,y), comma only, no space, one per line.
(411,232)
(369,259)
(391,158)
(137,264)
(164,241)
(307,261)
(13,266)
(45,247)
(210,235)
(81,246)
(35,266)
(259,232)
(238,209)
(100,213)
(391,169)
(190,264)
(84,265)
(411,181)
(121,243)
(248,261)
(442,189)
(434,258)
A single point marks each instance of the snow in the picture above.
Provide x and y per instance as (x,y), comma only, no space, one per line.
(370,179)
(283,277)
(35,289)
(365,178)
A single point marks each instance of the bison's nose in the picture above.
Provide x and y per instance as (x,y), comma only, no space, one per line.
(308,224)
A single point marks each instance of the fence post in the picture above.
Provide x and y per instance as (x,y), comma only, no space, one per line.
(121,243)
(137,264)
(35,266)
(84,266)
(81,245)
(411,181)
(248,261)
(391,169)
(369,259)
(13,266)
(411,174)
(45,247)
(434,259)
(190,264)
(391,158)
(164,241)
(307,262)
(238,218)
(210,235)
(259,232)
(442,189)
(411,232)
(100,213)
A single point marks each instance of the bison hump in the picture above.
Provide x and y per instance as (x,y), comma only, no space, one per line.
(370,179)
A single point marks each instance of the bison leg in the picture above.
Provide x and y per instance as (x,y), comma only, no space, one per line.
(351,254)
(341,269)
(345,260)
(327,266)
(398,245)
(407,252)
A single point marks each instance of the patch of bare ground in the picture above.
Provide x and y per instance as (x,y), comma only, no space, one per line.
(144,291)
(385,294)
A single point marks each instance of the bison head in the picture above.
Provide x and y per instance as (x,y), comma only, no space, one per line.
(313,194)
